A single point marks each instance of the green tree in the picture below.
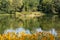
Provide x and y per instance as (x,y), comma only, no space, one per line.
(46,6)
(30,5)
(57,6)
(10,6)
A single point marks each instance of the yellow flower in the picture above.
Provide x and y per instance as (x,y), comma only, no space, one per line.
(24,36)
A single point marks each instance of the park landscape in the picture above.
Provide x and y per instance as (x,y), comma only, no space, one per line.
(29,19)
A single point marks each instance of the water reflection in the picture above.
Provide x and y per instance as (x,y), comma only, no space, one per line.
(52,31)
(27,31)
(19,30)
(46,22)
(9,30)
(39,30)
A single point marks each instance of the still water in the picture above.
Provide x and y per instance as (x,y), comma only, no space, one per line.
(27,31)
(46,23)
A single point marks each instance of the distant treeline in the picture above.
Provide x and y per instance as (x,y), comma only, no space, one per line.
(46,6)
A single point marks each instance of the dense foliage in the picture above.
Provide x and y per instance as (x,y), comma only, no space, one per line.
(47,6)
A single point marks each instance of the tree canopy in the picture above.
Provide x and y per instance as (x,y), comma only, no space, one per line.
(46,6)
